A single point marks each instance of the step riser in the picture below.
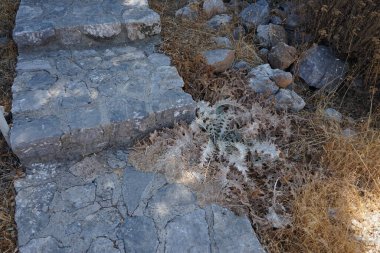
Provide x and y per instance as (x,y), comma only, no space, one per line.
(81,142)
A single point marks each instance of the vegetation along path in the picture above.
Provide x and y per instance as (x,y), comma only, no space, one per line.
(88,78)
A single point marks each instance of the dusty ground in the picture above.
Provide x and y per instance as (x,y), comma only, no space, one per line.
(322,203)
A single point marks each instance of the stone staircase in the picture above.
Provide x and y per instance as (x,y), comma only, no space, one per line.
(89,80)
(84,81)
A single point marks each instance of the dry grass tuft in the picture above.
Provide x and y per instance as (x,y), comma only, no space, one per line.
(184,41)
(8,162)
(352,28)
(326,186)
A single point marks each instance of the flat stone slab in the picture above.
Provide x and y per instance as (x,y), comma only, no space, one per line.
(77,22)
(69,103)
(90,206)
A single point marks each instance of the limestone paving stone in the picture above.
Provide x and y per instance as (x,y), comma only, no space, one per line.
(82,86)
(69,216)
(46,22)
(78,111)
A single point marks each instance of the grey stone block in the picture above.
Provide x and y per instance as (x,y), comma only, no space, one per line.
(32,210)
(102,245)
(139,235)
(256,14)
(42,245)
(320,68)
(135,187)
(232,233)
(188,233)
(46,23)
(170,201)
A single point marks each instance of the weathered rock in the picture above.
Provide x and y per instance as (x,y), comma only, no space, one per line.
(187,13)
(48,245)
(289,100)
(219,59)
(276,20)
(139,235)
(320,68)
(188,233)
(282,56)
(170,201)
(223,42)
(88,169)
(213,7)
(333,114)
(101,245)
(219,21)
(264,79)
(281,78)
(135,186)
(240,236)
(263,54)
(260,79)
(270,35)
(256,14)
(238,33)
(141,22)
(242,65)
(32,210)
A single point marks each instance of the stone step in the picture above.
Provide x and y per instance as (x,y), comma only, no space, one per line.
(69,23)
(70,103)
(100,204)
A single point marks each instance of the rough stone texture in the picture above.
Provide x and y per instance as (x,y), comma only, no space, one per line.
(263,54)
(242,65)
(219,59)
(281,78)
(222,42)
(187,13)
(72,102)
(333,114)
(218,21)
(289,100)
(282,56)
(270,35)
(41,22)
(260,81)
(213,7)
(240,240)
(171,219)
(264,79)
(188,233)
(256,14)
(320,68)
(139,234)
(87,88)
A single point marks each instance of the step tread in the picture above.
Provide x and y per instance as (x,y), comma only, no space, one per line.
(77,22)
(71,102)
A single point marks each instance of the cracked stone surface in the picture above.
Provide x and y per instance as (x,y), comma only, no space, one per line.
(69,103)
(89,206)
(83,85)
(77,22)
(89,79)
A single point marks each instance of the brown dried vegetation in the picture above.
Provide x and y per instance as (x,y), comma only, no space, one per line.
(352,28)
(324,181)
(8,162)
